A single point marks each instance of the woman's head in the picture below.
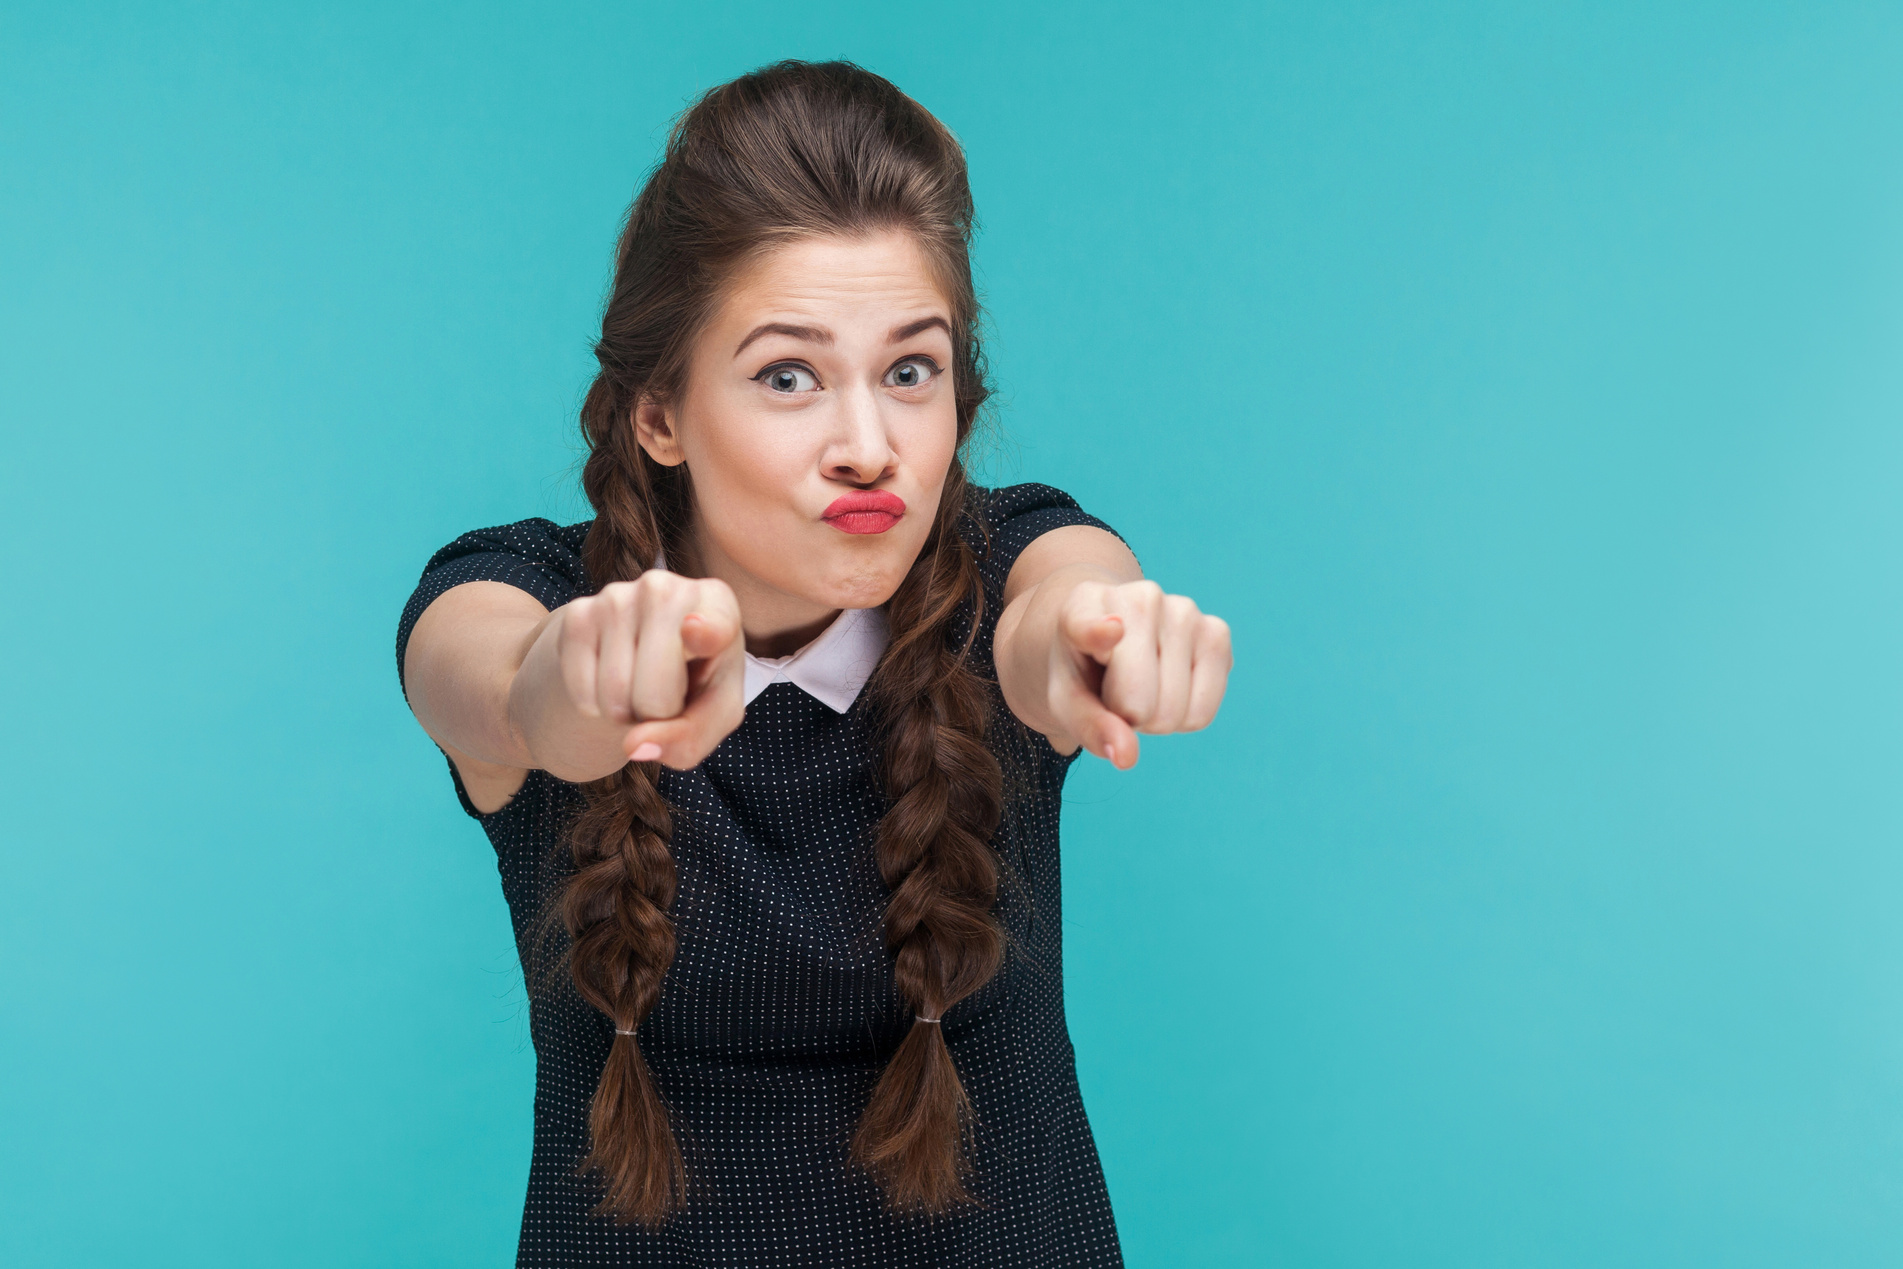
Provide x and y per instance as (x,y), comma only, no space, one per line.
(792,322)
(817,421)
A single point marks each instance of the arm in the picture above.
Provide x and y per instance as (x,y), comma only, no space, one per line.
(1090,653)
(645,670)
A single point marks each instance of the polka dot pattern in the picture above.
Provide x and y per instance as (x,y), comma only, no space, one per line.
(780,1010)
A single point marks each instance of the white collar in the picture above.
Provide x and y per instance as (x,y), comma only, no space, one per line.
(832,668)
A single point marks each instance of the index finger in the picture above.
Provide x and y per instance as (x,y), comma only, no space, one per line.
(659,688)
(712,625)
(1087,624)
(712,713)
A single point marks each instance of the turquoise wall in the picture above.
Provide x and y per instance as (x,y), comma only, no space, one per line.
(1522,382)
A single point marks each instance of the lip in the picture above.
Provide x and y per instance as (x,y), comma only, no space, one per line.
(864,511)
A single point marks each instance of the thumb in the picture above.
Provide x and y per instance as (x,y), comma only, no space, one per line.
(1113,740)
(1096,727)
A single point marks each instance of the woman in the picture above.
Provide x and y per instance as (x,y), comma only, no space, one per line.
(770,750)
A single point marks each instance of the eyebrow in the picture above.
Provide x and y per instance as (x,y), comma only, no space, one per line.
(811,334)
(817,335)
(900,333)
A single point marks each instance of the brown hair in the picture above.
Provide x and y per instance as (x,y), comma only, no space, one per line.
(793,150)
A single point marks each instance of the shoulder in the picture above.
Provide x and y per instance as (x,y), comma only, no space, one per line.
(537,543)
(1012,504)
(1000,523)
(535,555)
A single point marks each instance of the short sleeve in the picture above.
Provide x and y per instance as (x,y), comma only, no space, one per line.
(537,556)
(1007,520)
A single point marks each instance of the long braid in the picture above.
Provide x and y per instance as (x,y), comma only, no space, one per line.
(944,789)
(616,910)
(615,906)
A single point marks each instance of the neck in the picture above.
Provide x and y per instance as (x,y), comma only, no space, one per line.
(774,623)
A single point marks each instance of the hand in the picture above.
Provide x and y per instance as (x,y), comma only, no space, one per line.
(1128,658)
(662,655)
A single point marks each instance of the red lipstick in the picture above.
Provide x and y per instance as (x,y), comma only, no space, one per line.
(864,511)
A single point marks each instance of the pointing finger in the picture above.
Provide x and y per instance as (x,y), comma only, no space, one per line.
(1130,680)
(659,689)
(711,715)
(1087,625)
(1096,637)
(713,624)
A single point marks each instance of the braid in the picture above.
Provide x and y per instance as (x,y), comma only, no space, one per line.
(615,906)
(945,791)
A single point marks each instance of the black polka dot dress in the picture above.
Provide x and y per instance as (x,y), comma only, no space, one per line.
(780,1010)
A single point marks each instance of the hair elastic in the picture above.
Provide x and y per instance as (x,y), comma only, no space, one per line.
(917,1018)
(619,1031)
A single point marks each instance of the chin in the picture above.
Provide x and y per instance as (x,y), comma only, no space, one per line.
(862,587)
(863,596)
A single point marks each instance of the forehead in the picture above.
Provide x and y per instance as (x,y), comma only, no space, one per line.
(838,279)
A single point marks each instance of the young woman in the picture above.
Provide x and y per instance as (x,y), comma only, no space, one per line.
(770,749)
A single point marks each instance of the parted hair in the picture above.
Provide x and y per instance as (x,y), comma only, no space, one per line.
(787,152)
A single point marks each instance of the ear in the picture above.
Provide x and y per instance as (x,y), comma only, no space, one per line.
(654,428)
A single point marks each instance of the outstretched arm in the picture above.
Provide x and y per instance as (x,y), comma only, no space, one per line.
(645,670)
(1090,653)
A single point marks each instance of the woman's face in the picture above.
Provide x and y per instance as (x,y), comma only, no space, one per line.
(817,423)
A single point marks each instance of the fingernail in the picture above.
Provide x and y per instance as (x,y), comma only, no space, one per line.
(646,751)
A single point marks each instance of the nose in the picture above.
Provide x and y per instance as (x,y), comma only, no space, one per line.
(860,449)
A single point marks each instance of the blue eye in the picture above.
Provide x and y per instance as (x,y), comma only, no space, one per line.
(913,372)
(787,378)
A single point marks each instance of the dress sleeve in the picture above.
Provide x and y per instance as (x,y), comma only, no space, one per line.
(537,556)
(1008,520)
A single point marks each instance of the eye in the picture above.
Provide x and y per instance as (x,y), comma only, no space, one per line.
(788,378)
(913,372)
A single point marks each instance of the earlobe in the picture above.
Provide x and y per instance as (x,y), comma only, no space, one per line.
(654,428)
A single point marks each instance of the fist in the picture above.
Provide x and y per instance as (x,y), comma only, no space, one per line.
(663,657)
(1128,658)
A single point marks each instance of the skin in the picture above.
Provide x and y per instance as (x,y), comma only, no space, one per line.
(846,388)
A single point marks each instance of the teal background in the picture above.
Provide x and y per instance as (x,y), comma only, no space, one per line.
(1522,382)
